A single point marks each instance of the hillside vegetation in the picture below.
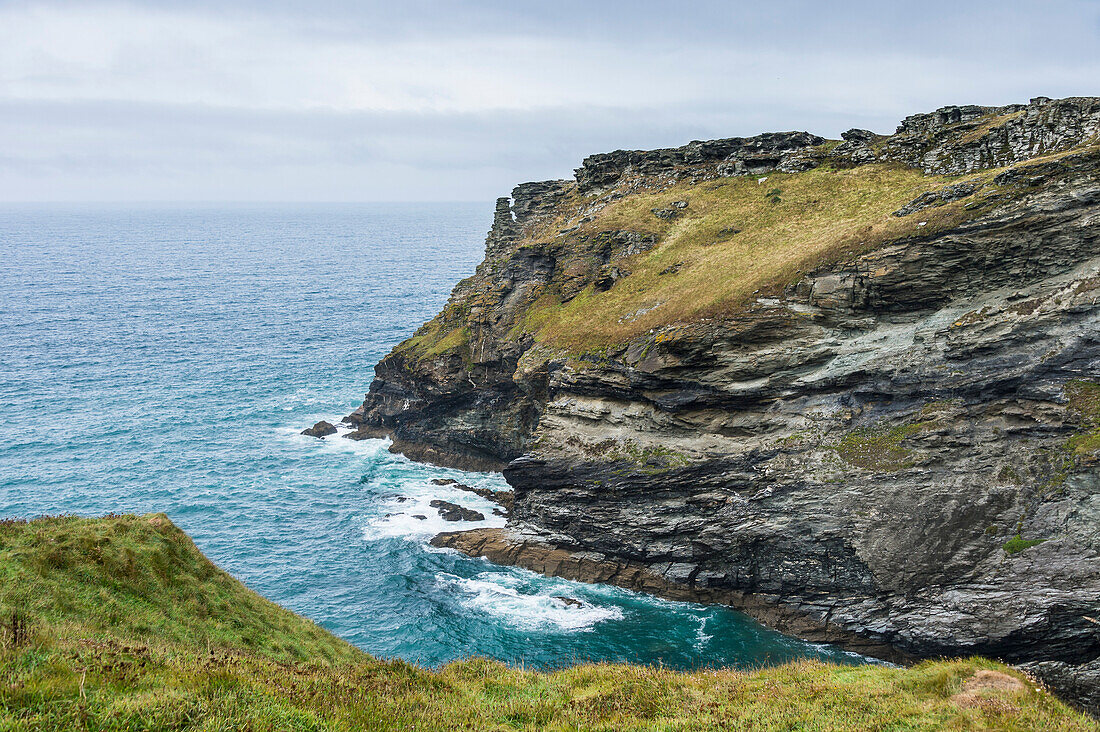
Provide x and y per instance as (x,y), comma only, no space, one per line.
(736,239)
(715,243)
(121,623)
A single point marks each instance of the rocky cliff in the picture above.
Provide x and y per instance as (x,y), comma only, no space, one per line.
(851,387)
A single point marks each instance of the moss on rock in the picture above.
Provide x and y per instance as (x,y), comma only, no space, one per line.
(880,447)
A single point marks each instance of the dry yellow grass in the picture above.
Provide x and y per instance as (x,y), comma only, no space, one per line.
(786,224)
(738,239)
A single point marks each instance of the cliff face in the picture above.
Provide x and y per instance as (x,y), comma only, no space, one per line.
(851,387)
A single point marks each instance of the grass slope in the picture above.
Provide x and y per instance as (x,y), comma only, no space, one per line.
(720,245)
(735,238)
(129,627)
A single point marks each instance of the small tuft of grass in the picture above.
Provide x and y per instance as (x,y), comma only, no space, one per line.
(1017,544)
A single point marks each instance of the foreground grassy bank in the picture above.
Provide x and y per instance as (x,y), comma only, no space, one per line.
(121,623)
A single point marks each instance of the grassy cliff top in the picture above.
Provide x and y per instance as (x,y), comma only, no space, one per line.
(716,246)
(736,239)
(706,243)
(121,623)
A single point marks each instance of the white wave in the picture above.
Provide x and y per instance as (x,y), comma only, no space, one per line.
(396,516)
(302,397)
(405,488)
(335,443)
(827,648)
(498,594)
(702,637)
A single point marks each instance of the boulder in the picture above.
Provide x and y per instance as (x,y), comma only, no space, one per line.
(322,429)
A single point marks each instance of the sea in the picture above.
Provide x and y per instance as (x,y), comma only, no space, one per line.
(166,357)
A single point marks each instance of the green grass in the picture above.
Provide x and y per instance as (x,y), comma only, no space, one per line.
(696,271)
(141,579)
(1085,443)
(446,332)
(131,628)
(657,458)
(1017,544)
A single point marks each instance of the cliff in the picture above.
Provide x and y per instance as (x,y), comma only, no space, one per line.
(120,623)
(852,387)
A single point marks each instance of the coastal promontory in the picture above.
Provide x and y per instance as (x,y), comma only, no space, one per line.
(849,386)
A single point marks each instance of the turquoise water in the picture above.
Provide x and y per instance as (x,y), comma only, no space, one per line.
(165,359)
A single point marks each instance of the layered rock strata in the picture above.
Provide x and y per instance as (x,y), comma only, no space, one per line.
(893,444)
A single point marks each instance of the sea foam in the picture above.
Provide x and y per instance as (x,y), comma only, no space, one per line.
(500,595)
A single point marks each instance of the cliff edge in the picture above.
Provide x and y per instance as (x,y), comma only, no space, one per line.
(120,623)
(851,387)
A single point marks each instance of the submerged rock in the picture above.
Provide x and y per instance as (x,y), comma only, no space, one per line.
(504,498)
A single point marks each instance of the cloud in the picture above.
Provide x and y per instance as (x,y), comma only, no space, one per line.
(445,100)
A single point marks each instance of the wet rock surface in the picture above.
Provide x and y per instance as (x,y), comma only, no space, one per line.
(321,429)
(898,451)
(504,498)
(453,512)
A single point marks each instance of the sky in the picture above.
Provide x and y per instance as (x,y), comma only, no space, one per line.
(421,100)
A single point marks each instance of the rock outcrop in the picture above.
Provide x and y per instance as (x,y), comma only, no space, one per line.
(890,439)
(1077,683)
(322,429)
(732,156)
(453,512)
(959,140)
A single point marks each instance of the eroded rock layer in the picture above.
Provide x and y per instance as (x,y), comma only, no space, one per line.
(850,387)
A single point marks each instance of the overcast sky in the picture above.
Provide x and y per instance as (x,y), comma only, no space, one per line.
(330,100)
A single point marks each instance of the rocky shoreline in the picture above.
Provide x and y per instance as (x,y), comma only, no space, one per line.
(889,437)
(512,548)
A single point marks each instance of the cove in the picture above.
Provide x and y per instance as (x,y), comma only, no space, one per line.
(165,359)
